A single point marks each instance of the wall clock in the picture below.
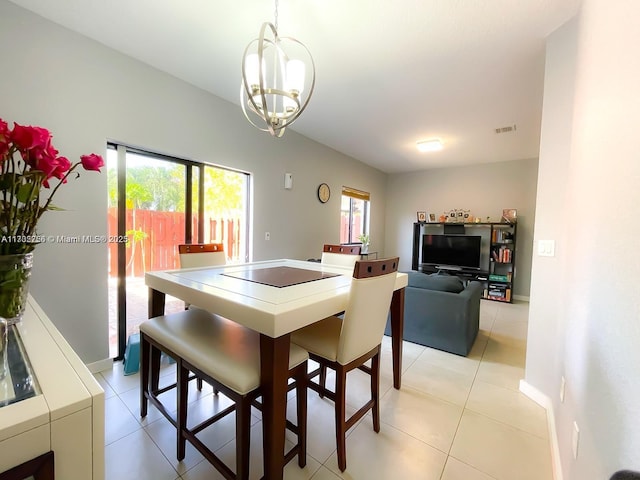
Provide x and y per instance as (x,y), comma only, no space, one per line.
(324,193)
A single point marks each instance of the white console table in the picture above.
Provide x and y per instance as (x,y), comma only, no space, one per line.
(62,410)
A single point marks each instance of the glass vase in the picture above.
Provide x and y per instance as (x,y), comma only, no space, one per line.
(4,344)
(15,271)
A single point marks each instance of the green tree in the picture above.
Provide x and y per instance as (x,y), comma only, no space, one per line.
(223,192)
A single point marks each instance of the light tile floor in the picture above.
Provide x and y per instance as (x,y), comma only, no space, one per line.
(455,418)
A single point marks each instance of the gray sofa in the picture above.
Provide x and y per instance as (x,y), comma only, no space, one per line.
(440,312)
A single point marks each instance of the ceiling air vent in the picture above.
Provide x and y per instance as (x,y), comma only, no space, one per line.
(510,128)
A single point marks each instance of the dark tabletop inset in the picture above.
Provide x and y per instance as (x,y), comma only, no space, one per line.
(281,276)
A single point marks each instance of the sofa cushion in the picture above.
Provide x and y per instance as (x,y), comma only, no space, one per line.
(434,281)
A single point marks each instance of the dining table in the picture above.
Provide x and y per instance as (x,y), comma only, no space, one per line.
(273,298)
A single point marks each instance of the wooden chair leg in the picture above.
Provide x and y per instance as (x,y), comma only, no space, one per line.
(375,391)
(145,348)
(243,438)
(323,379)
(155,369)
(182,394)
(301,408)
(341,424)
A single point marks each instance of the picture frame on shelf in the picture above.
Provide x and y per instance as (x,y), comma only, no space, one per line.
(422,216)
(509,215)
(432,218)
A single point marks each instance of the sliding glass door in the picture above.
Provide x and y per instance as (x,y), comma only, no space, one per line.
(156,203)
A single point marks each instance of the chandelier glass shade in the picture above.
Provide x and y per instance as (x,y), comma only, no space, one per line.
(278,78)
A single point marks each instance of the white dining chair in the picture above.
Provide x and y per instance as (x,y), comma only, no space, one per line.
(344,255)
(201,255)
(344,344)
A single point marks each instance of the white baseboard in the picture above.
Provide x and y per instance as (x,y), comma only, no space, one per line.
(545,402)
(100,365)
(522,298)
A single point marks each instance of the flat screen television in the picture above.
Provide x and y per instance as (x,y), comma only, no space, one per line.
(451,250)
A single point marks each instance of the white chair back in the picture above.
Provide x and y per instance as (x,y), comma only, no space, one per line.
(201,255)
(343,255)
(369,301)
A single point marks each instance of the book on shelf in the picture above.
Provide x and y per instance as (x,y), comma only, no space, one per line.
(499,299)
(498,292)
(499,278)
(502,255)
(501,235)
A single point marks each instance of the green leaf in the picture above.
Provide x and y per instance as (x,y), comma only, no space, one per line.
(56,208)
(27,192)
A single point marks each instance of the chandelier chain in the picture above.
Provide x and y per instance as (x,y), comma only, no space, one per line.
(275,15)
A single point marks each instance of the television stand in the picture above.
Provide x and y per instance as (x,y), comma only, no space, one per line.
(446,268)
(461,272)
(497,265)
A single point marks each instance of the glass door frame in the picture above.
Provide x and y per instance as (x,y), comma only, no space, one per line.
(122,151)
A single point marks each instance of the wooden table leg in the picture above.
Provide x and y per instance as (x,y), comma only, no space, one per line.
(156,303)
(397,330)
(155,309)
(274,373)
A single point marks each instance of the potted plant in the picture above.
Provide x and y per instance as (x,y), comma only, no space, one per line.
(364,238)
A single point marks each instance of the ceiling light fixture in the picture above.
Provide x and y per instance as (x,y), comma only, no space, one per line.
(276,84)
(433,145)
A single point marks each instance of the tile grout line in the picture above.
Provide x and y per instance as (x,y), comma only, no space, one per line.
(142,427)
(484,415)
(464,407)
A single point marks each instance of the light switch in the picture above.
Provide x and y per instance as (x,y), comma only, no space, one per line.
(546,248)
(288,181)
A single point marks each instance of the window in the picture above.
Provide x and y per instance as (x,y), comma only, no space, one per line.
(354,215)
(157,202)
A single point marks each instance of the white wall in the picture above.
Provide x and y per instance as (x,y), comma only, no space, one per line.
(484,189)
(87,94)
(549,283)
(585,305)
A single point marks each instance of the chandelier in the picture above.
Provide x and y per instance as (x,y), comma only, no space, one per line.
(278,77)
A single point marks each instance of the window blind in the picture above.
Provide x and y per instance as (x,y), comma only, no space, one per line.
(354,193)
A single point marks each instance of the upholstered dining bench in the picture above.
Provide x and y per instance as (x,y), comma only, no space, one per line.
(227,356)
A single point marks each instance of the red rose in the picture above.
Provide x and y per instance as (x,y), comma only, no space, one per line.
(92,162)
(62,166)
(4,139)
(45,160)
(57,167)
(29,138)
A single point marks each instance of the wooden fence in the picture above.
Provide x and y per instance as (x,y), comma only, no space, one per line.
(344,228)
(163,231)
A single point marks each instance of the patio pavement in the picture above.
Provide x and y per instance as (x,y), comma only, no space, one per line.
(137,301)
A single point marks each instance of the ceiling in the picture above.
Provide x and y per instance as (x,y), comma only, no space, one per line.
(388,73)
